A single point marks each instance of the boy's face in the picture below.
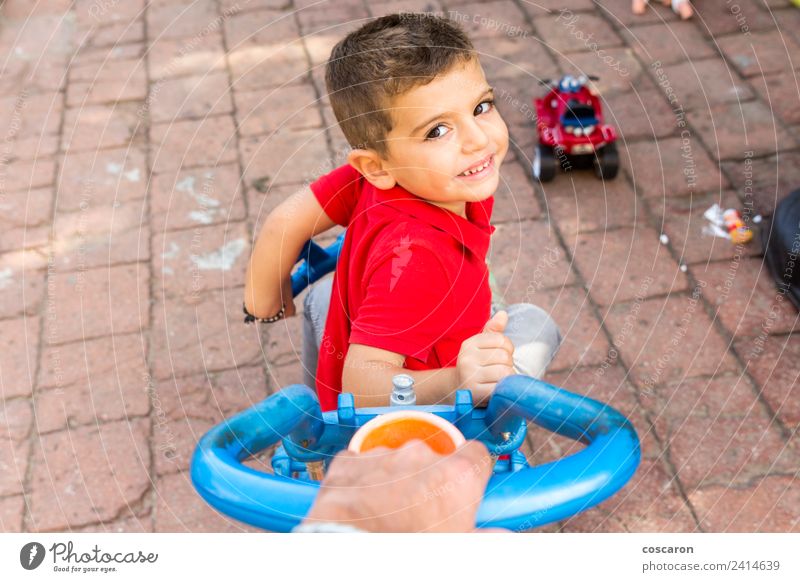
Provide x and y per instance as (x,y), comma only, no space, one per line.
(441,131)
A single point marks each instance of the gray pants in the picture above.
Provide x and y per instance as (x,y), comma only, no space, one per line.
(533,332)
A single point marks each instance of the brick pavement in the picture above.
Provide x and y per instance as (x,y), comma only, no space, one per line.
(143,143)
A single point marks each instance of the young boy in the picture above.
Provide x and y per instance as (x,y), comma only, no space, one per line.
(411,289)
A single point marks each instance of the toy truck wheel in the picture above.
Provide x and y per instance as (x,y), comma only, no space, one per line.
(606,162)
(544,163)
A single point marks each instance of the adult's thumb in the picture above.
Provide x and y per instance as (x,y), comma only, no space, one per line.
(497,323)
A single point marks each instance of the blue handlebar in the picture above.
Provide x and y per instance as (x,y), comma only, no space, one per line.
(516,500)
(315,262)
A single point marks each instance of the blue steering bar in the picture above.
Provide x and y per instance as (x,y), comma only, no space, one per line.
(518,498)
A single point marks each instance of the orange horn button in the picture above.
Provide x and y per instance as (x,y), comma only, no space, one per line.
(394,429)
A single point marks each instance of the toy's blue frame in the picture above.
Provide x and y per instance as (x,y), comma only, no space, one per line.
(517,497)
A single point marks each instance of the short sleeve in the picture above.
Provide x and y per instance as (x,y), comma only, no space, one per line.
(405,303)
(338,192)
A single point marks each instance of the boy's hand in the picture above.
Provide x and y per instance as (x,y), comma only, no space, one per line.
(485,359)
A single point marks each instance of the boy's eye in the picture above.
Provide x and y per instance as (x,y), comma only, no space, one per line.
(484,107)
(437,132)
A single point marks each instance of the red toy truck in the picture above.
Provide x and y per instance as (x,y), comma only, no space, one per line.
(570,126)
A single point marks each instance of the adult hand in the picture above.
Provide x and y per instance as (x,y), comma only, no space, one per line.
(410,489)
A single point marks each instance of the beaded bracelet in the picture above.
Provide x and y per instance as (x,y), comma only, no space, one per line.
(250,318)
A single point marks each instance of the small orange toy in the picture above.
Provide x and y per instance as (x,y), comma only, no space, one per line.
(394,429)
(740,234)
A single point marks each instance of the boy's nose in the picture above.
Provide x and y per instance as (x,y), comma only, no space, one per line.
(475,138)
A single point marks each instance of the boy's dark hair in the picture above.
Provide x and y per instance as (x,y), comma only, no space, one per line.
(383,59)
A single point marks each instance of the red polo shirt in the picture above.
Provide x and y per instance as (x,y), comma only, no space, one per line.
(411,277)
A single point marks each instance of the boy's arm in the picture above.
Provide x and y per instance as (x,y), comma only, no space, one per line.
(282,236)
(483,360)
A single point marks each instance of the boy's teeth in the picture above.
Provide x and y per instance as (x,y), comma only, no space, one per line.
(476,170)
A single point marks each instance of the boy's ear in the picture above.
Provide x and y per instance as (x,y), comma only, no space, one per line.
(372,167)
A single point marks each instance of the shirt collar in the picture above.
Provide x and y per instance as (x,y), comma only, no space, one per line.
(473,232)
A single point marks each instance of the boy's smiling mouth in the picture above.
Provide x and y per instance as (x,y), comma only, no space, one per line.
(478,171)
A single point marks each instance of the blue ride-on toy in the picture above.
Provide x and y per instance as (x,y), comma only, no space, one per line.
(517,496)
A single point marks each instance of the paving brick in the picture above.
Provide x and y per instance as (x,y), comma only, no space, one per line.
(30,115)
(719,17)
(93,381)
(667,339)
(195,197)
(36,148)
(760,53)
(261,112)
(135,524)
(620,11)
(525,258)
(638,114)
(94,179)
(564,32)
(670,43)
(16,419)
(190,97)
(22,283)
(765,181)
(607,383)
(284,340)
(771,360)
(513,100)
(114,35)
(768,505)
(685,225)
(583,343)
(106,81)
(490,19)
(781,94)
(699,84)
(102,126)
(731,130)
(180,509)
(102,234)
(723,450)
(264,28)
(18,358)
(237,6)
(673,167)
(187,262)
(545,7)
(515,198)
(718,397)
(19,9)
(169,57)
(283,376)
(515,58)
(13,466)
(31,208)
(264,66)
(202,333)
(650,502)
(618,69)
(93,14)
(90,474)
(332,19)
(96,302)
(29,175)
(620,265)
(189,143)
(378,9)
(11,512)
(181,20)
(186,408)
(746,298)
(286,157)
(592,205)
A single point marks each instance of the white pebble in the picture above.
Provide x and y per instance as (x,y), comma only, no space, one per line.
(757,219)
(684,268)
(664,239)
